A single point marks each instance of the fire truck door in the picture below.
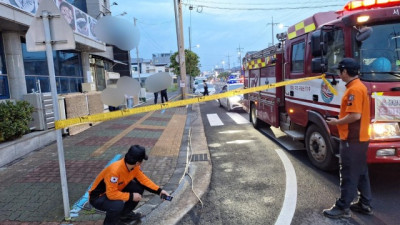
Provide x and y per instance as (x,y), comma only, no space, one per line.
(268,107)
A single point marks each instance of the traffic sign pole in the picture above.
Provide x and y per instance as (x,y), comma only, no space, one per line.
(53,85)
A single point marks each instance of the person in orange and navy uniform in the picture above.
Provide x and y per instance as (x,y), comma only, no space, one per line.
(120,186)
(353,124)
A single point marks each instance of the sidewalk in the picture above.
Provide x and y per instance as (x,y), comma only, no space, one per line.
(30,189)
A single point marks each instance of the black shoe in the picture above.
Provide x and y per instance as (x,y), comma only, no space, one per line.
(361,208)
(130,216)
(336,212)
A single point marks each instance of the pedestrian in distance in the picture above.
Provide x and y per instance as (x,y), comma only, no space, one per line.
(205,88)
(352,124)
(120,186)
(155,97)
(164,96)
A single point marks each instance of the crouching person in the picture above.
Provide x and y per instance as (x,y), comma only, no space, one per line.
(119,187)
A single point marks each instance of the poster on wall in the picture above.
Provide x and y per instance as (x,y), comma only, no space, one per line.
(29,6)
(82,23)
(79,21)
(67,11)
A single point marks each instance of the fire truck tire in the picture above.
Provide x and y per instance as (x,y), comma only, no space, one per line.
(253,116)
(319,148)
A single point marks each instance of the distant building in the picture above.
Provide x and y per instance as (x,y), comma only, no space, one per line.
(147,67)
(162,59)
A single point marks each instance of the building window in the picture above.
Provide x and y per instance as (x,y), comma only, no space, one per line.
(80,4)
(298,57)
(67,66)
(4,92)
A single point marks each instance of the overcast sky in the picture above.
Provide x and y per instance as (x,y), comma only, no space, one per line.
(218,26)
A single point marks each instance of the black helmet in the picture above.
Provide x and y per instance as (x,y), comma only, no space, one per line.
(136,153)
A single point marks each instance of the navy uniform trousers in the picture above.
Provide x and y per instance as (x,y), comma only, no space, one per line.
(353,174)
(114,208)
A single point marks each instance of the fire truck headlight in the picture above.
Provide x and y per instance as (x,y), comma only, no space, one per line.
(362,19)
(385,131)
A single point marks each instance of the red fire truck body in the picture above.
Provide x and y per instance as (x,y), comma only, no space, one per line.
(370,33)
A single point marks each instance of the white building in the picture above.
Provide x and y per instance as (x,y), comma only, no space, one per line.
(21,71)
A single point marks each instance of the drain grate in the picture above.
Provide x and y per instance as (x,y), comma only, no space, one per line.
(199,157)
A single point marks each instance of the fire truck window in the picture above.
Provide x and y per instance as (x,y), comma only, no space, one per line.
(335,50)
(379,55)
(298,57)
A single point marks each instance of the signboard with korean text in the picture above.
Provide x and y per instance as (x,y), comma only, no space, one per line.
(387,108)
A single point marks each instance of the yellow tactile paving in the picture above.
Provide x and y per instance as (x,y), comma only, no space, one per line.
(109,143)
(170,141)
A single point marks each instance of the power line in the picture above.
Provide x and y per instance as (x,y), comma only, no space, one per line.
(262,9)
(269,3)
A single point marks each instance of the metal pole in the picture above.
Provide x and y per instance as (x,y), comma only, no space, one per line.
(190,41)
(137,60)
(181,48)
(60,149)
(272,30)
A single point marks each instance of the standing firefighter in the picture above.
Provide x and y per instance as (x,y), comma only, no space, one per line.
(353,123)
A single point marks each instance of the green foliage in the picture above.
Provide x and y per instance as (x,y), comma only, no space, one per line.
(224,75)
(15,118)
(173,88)
(191,61)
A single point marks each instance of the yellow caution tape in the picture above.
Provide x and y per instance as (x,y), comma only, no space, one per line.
(127,112)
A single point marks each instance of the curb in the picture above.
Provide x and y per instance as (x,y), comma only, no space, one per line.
(190,178)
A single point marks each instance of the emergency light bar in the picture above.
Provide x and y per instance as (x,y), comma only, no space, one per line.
(365,4)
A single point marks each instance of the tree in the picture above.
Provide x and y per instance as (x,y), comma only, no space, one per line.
(224,75)
(192,63)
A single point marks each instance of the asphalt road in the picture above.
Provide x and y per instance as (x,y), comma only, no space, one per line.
(248,180)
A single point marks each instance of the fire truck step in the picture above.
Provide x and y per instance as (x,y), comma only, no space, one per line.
(296,135)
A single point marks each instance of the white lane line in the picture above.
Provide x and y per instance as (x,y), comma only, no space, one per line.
(239,119)
(214,120)
(289,204)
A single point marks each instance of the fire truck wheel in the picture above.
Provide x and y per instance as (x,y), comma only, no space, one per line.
(253,116)
(319,149)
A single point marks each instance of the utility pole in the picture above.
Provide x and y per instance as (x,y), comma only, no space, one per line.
(240,56)
(137,58)
(229,63)
(181,47)
(272,27)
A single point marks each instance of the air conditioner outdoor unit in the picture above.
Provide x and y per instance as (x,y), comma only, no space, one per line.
(88,87)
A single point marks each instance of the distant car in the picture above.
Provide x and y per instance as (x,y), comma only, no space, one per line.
(200,89)
(233,81)
(233,102)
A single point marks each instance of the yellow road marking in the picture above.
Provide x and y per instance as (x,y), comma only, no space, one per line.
(109,143)
(170,141)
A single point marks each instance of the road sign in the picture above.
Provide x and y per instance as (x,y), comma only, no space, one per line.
(62,35)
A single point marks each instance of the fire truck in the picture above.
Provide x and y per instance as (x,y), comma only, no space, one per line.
(367,30)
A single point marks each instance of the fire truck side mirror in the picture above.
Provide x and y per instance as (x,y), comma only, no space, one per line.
(319,65)
(363,34)
(318,43)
